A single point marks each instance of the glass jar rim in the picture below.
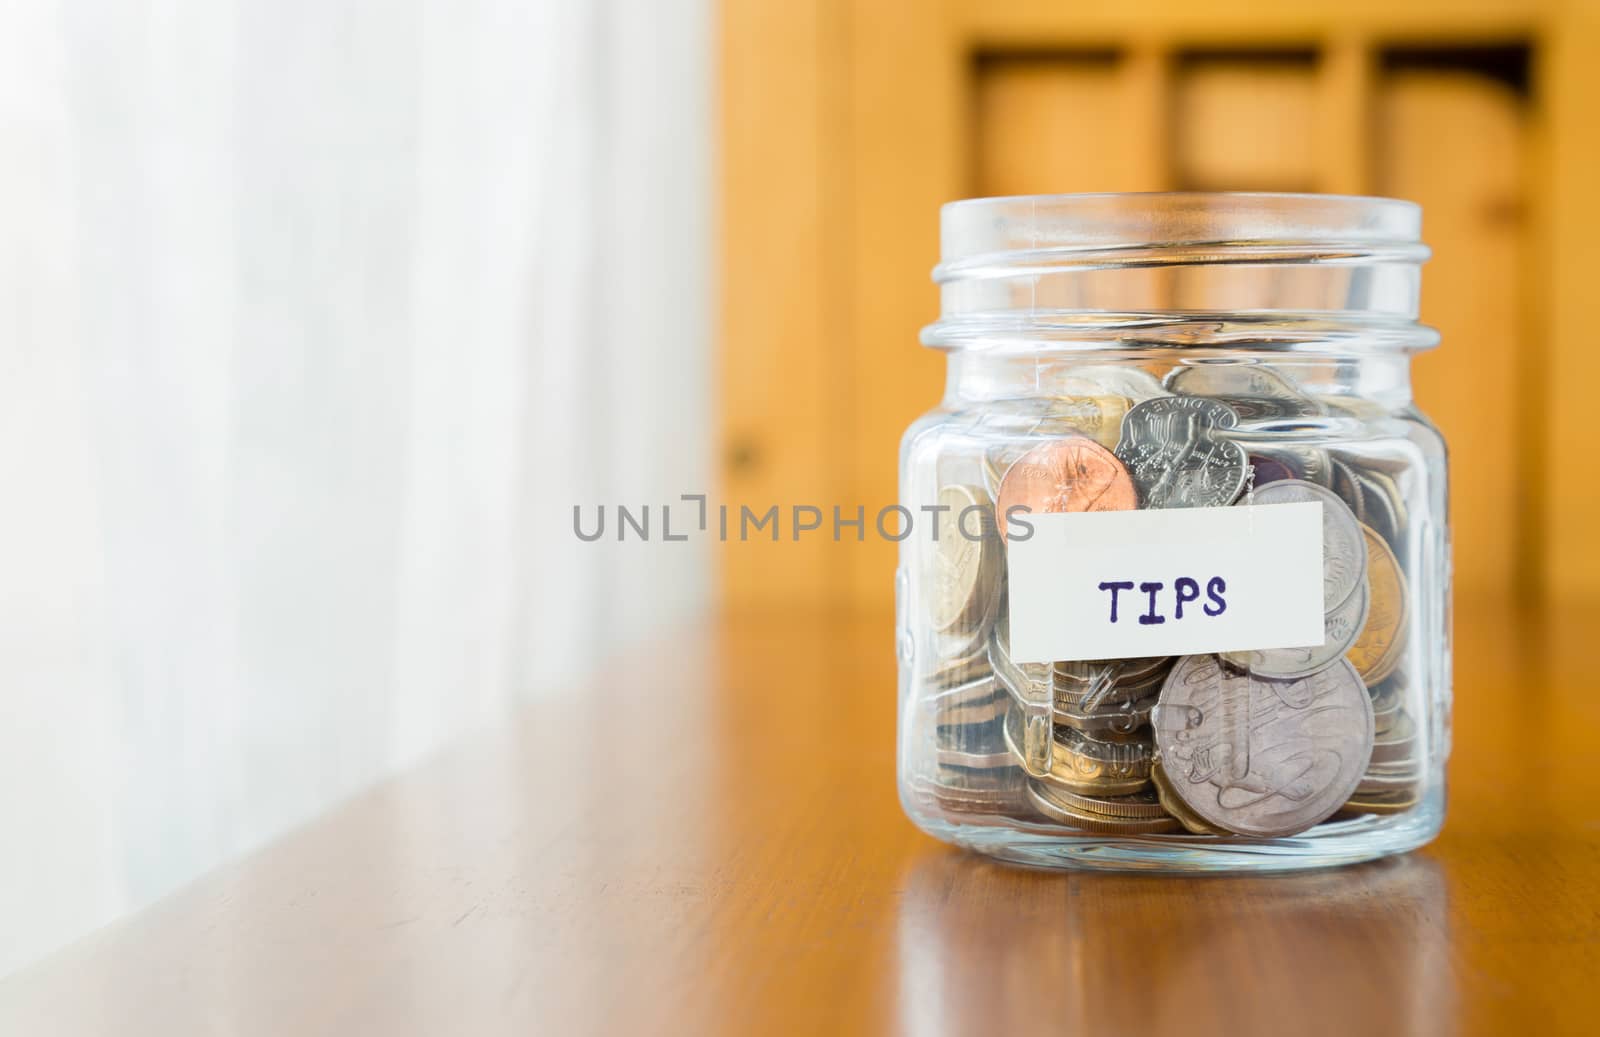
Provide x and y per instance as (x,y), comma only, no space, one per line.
(1310,272)
(1102,229)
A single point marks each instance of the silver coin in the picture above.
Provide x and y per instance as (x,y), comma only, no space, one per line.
(1084,764)
(1118,720)
(958,665)
(1348,487)
(1029,683)
(1256,393)
(1259,757)
(962,564)
(1171,448)
(998,790)
(1344,548)
(972,760)
(977,702)
(1398,744)
(1122,671)
(1340,628)
(1386,508)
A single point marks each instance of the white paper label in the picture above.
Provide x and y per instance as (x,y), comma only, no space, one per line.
(1184,581)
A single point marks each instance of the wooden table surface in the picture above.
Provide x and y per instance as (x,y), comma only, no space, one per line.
(709,841)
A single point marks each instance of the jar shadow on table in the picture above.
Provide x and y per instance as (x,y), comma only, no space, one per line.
(983,947)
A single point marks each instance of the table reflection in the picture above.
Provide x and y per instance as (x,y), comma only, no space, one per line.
(983,947)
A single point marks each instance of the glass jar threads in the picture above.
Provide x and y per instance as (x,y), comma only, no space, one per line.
(1183,601)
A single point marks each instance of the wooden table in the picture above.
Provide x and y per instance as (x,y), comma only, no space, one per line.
(709,841)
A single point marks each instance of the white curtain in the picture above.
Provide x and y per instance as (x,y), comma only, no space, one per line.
(316,318)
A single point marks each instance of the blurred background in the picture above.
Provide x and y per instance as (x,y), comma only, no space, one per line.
(321,317)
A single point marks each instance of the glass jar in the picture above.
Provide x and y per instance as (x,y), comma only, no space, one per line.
(1177,591)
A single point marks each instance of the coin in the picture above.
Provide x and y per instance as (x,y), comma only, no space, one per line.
(1027,682)
(981,792)
(966,759)
(1385,507)
(1267,468)
(1344,549)
(1123,720)
(1339,631)
(1107,713)
(1072,474)
(1353,406)
(1082,765)
(1272,459)
(1099,417)
(1261,757)
(1176,457)
(1377,650)
(1398,744)
(959,663)
(1139,806)
(1088,671)
(1042,800)
(962,571)
(1388,702)
(1395,802)
(1384,784)
(1173,804)
(1134,383)
(1255,393)
(976,702)
(1348,487)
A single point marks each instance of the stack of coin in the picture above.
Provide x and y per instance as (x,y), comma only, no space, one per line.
(1094,715)
(972,771)
(1345,588)
(1256,744)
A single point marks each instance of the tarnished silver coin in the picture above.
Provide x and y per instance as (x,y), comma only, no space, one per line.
(1340,628)
(1344,547)
(962,572)
(1254,392)
(1171,448)
(1260,757)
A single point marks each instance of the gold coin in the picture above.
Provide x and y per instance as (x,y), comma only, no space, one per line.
(1375,785)
(1173,804)
(1377,649)
(1381,802)
(1097,416)
(1142,806)
(1040,796)
(1083,766)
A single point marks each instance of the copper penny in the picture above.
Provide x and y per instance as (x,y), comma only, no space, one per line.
(1073,474)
